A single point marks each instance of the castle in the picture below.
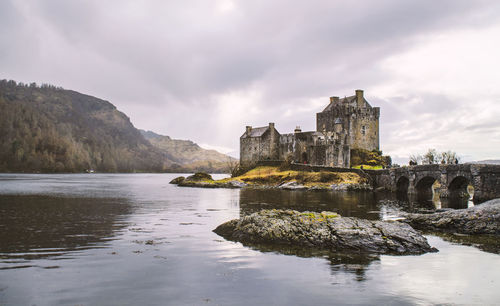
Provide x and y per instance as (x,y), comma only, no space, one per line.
(345,124)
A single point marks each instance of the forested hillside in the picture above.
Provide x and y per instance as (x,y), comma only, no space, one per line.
(49,129)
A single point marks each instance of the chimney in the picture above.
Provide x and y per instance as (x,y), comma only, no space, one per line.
(360,101)
(297,129)
(334,99)
(249,130)
(271,125)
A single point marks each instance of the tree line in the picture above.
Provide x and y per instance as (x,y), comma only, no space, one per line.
(48,129)
(432,156)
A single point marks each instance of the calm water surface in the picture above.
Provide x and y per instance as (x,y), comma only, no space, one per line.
(133,239)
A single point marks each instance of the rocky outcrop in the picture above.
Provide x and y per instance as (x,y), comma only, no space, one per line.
(204,180)
(293,185)
(325,230)
(481,219)
(212,184)
(177,180)
(199,176)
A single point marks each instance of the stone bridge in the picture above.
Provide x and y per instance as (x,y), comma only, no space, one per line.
(453,179)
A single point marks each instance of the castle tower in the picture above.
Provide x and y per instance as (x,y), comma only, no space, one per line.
(355,117)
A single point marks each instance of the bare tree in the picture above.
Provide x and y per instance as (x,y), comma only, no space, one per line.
(431,157)
(449,157)
(233,166)
(415,159)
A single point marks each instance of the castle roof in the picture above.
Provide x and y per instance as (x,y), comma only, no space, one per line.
(256,132)
(351,101)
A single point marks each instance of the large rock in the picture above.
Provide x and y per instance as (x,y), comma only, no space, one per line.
(200,182)
(199,176)
(177,180)
(325,230)
(481,219)
(293,185)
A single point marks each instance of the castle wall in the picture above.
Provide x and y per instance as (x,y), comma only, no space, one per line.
(364,129)
(287,146)
(303,141)
(251,150)
(326,120)
(344,124)
(265,147)
(273,143)
(331,154)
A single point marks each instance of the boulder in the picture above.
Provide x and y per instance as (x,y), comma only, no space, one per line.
(350,187)
(339,187)
(325,230)
(293,185)
(237,184)
(177,180)
(199,176)
(480,219)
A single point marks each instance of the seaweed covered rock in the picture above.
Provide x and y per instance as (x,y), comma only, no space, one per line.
(199,179)
(199,176)
(325,230)
(481,219)
(177,180)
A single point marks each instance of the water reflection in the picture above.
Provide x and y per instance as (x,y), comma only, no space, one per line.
(348,204)
(487,243)
(35,227)
(134,239)
(366,205)
(353,264)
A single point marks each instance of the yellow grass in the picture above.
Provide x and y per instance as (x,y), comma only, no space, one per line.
(267,175)
(368,167)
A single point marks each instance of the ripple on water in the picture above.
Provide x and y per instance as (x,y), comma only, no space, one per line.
(134,239)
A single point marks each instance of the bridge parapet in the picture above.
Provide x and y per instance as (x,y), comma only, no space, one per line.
(453,178)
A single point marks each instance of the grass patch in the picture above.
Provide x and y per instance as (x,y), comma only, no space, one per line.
(368,167)
(267,175)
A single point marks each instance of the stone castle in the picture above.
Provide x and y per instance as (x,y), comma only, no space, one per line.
(345,124)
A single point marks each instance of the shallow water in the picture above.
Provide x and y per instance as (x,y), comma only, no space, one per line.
(134,239)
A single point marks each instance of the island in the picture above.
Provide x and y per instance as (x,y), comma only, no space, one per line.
(277,177)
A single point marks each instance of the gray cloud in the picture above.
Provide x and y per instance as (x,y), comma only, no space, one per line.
(167,64)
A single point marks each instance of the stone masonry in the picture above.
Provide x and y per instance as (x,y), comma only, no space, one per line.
(345,124)
(453,179)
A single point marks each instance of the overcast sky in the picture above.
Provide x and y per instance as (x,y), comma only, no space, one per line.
(203,70)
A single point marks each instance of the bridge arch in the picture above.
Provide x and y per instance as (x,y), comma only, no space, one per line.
(458,186)
(423,186)
(402,185)
(484,178)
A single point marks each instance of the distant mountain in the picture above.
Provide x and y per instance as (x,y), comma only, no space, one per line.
(487,161)
(50,129)
(187,156)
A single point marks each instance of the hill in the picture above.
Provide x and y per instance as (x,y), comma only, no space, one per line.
(487,161)
(187,156)
(50,129)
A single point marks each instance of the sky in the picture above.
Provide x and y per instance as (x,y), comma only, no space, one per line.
(204,69)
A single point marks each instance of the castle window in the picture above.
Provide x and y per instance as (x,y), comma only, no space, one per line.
(363,129)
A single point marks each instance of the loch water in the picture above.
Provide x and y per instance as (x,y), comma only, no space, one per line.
(134,239)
